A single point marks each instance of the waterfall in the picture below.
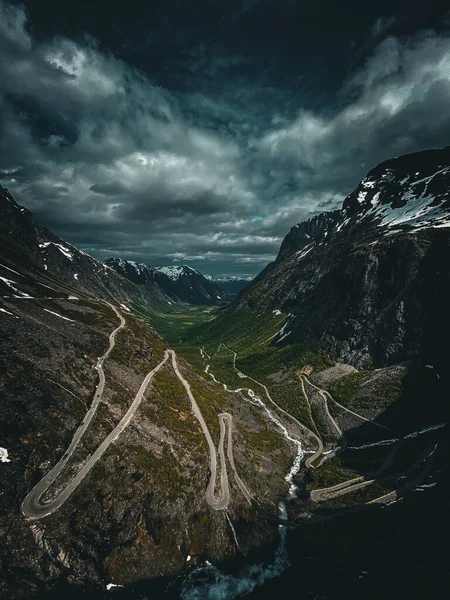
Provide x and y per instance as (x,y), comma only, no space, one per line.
(234,533)
(209,583)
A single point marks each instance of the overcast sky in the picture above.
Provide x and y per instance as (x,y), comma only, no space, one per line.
(200,132)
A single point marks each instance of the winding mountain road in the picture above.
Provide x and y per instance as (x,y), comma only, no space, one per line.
(310,460)
(323,395)
(358,483)
(327,394)
(216,502)
(275,419)
(228,418)
(34,507)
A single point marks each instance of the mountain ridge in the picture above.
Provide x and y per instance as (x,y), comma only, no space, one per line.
(113,279)
(357,284)
(20,234)
(178,283)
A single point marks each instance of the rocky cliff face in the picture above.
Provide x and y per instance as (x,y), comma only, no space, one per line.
(303,234)
(370,281)
(178,283)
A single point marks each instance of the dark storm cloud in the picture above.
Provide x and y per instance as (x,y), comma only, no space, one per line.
(396,104)
(112,188)
(241,141)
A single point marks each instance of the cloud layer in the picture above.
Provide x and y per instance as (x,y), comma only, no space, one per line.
(123,167)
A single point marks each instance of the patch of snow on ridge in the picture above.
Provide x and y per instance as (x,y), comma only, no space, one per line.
(139,267)
(58,315)
(284,337)
(441,224)
(4,455)
(282,334)
(67,253)
(361,197)
(416,213)
(375,200)
(420,208)
(343,224)
(9,283)
(368,184)
(8,313)
(301,253)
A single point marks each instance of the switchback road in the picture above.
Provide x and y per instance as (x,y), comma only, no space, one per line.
(34,507)
(221,501)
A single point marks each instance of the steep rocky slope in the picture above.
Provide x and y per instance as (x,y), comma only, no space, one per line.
(370,282)
(178,283)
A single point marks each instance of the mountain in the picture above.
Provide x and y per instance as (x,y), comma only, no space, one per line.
(178,283)
(232,284)
(104,463)
(307,232)
(23,238)
(370,282)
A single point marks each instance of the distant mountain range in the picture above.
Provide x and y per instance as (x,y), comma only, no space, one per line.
(231,284)
(114,279)
(178,283)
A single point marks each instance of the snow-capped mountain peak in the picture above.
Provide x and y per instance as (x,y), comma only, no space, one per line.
(177,271)
(178,283)
(408,192)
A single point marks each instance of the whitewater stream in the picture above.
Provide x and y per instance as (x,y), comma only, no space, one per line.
(207,582)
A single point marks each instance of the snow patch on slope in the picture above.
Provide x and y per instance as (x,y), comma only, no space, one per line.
(417,207)
(58,315)
(4,455)
(9,283)
(67,253)
(3,310)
